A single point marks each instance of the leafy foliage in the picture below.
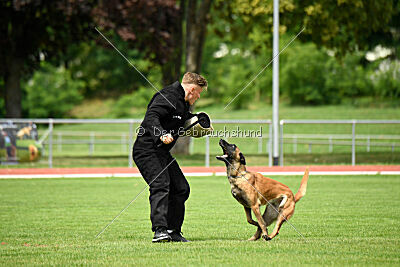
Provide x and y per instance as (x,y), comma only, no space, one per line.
(342,26)
(303,76)
(146,25)
(52,92)
(138,99)
(346,25)
(310,76)
(387,80)
(144,32)
(31,30)
(106,73)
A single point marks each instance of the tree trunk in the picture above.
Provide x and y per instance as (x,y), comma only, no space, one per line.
(182,145)
(191,37)
(171,71)
(13,88)
(203,19)
(196,28)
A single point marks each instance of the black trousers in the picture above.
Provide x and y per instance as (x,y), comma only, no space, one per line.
(169,188)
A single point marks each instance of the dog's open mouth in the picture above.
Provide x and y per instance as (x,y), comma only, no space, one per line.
(225,155)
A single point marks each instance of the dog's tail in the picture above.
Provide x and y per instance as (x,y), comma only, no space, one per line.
(303,187)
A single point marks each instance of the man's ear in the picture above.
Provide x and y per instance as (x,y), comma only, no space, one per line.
(242,159)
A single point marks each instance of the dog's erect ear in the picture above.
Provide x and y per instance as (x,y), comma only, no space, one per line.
(242,159)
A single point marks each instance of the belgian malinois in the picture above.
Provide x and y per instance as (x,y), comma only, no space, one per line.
(253,190)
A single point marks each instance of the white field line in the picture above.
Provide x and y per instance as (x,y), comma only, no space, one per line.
(390,172)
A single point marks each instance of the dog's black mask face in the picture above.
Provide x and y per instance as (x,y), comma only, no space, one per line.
(231,153)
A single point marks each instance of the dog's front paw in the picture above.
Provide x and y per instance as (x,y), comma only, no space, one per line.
(266,237)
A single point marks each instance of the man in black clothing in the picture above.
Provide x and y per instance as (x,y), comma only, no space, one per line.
(166,114)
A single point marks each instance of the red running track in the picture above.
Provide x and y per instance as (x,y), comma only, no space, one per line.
(198,171)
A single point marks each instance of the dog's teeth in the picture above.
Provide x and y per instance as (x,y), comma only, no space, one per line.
(224,156)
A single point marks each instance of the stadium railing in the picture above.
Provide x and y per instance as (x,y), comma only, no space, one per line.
(124,139)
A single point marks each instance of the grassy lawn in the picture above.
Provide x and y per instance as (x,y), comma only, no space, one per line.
(351,220)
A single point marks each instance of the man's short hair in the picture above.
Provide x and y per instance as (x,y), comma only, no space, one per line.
(194,78)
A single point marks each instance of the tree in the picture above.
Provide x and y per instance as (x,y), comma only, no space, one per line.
(345,28)
(197,17)
(35,30)
(342,26)
(196,26)
(52,92)
(153,27)
(346,25)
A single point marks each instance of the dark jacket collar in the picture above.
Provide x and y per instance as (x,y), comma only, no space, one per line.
(178,87)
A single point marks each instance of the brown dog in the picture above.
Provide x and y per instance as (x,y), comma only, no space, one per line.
(253,190)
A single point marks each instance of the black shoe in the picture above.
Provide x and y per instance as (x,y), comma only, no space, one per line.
(161,235)
(177,236)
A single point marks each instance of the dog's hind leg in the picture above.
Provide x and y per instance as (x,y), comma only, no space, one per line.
(271,213)
(284,216)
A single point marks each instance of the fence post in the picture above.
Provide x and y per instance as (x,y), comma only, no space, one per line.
(330,144)
(353,144)
(309,148)
(130,159)
(368,143)
(207,159)
(270,145)
(281,160)
(260,145)
(50,143)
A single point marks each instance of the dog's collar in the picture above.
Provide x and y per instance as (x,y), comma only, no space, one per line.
(242,174)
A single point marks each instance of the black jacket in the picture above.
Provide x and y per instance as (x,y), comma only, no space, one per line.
(166,113)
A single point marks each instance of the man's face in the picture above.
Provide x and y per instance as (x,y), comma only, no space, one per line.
(194,93)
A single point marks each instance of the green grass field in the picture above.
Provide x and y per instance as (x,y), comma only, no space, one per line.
(352,220)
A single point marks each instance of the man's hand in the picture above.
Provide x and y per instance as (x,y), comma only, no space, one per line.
(167,139)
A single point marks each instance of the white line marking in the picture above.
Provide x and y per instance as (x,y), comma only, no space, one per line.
(199,173)
(390,172)
(126,175)
(345,173)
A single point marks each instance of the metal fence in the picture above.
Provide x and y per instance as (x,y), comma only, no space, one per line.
(55,140)
(353,123)
(91,138)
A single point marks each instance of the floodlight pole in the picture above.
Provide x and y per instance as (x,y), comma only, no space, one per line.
(275,85)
